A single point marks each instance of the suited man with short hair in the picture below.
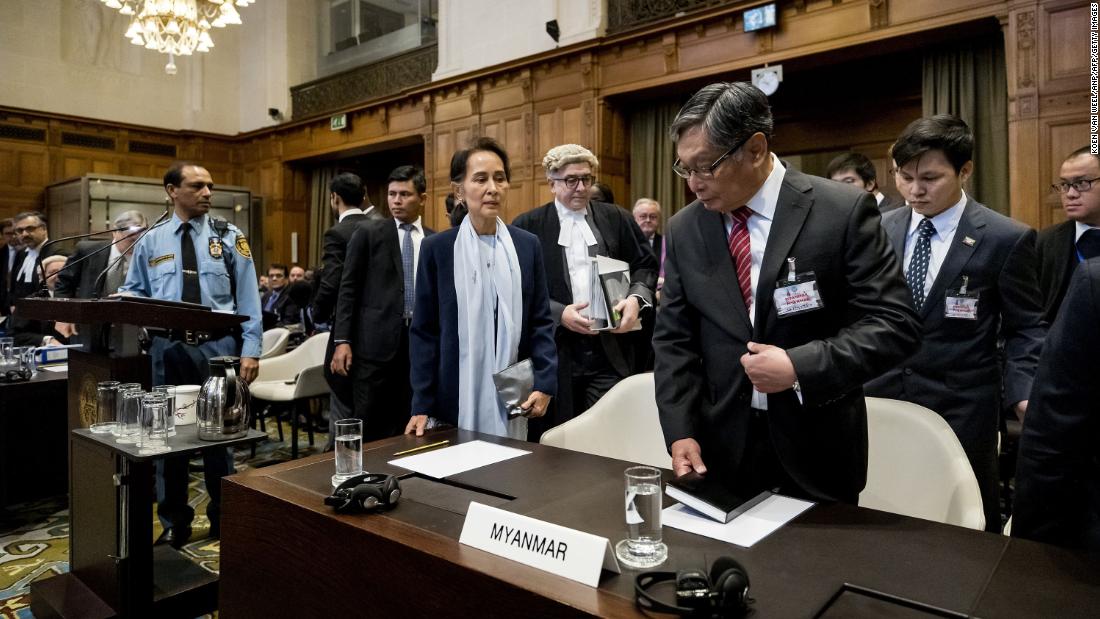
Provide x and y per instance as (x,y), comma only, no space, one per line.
(1057,497)
(9,247)
(346,196)
(1063,246)
(760,382)
(374,307)
(572,230)
(971,275)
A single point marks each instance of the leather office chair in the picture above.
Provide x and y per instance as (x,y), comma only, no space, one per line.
(288,383)
(275,342)
(916,466)
(623,424)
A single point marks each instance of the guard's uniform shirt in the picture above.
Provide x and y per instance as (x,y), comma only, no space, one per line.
(156,271)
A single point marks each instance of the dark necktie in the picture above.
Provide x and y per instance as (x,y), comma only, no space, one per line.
(741,251)
(191,290)
(918,263)
(407,267)
(1089,243)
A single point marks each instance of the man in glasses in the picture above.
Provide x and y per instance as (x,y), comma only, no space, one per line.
(573,231)
(91,259)
(33,233)
(1062,246)
(781,298)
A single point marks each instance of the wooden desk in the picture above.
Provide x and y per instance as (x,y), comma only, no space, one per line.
(34,446)
(283,551)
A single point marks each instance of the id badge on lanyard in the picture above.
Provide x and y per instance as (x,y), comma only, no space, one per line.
(961,303)
(797,294)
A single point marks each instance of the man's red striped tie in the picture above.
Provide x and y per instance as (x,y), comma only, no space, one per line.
(741,251)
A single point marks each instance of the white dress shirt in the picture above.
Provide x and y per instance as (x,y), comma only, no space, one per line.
(26,270)
(576,237)
(349,212)
(946,223)
(762,204)
(417,236)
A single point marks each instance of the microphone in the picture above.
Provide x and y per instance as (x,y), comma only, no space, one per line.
(43,290)
(163,219)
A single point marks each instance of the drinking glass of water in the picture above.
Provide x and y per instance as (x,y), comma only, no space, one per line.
(643,548)
(349,450)
(106,406)
(169,392)
(153,434)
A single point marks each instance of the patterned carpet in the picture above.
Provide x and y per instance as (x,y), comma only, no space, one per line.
(34,537)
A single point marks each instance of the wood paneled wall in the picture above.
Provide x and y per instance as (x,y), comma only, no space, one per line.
(570,95)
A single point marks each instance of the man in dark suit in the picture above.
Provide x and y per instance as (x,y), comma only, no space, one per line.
(572,230)
(25,278)
(971,273)
(856,169)
(1057,476)
(647,214)
(92,258)
(346,194)
(278,308)
(47,333)
(9,247)
(781,298)
(374,307)
(1062,246)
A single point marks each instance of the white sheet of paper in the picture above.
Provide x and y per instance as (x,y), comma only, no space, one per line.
(440,463)
(744,530)
(64,367)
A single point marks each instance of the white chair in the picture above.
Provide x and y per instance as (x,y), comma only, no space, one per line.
(623,424)
(916,466)
(289,381)
(275,342)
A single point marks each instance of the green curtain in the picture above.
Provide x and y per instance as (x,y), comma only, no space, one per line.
(320,214)
(651,157)
(970,83)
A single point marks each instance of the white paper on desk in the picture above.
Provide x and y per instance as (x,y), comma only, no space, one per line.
(64,367)
(744,530)
(440,463)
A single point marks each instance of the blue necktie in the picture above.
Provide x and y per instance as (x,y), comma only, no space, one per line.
(407,267)
(918,264)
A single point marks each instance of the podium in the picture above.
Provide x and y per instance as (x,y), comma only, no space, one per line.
(114,569)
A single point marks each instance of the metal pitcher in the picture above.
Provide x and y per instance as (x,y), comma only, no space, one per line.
(223,402)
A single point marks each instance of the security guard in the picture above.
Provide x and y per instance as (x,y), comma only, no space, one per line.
(198,258)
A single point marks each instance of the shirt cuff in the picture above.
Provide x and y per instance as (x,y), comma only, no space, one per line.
(642,303)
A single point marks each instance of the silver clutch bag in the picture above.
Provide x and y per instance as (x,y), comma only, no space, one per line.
(514,385)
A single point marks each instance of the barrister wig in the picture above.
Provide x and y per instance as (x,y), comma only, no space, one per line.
(560,156)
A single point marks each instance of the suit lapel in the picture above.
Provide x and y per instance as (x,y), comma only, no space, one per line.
(970,227)
(1064,255)
(791,210)
(557,274)
(896,230)
(389,231)
(712,229)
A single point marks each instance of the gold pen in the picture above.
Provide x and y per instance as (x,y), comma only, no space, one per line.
(422,447)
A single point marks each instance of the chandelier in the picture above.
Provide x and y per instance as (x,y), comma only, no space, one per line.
(176,27)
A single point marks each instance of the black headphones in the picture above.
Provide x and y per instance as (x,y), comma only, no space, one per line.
(15,376)
(367,492)
(724,594)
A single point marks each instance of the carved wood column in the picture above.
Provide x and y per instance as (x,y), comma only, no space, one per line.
(1021,69)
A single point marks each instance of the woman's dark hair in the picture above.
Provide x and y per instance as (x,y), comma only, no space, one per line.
(460,158)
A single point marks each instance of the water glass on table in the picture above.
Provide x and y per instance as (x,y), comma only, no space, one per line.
(7,354)
(129,413)
(25,360)
(106,393)
(643,548)
(169,392)
(153,436)
(349,450)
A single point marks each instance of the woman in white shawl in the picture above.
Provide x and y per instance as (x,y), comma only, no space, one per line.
(481,305)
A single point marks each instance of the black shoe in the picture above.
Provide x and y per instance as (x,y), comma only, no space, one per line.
(173,538)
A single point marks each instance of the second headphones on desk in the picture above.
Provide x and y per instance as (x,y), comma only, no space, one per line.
(725,593)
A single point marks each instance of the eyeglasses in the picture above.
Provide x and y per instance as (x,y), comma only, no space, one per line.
(707,173)
(572,181)
(1081,185)
(28,228)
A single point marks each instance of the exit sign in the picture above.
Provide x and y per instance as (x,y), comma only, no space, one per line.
(338,122)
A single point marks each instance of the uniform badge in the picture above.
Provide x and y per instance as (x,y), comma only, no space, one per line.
(215,247)
(242,246)
(969,242)
(161,259)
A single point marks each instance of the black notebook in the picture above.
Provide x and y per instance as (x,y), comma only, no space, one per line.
(710,497)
